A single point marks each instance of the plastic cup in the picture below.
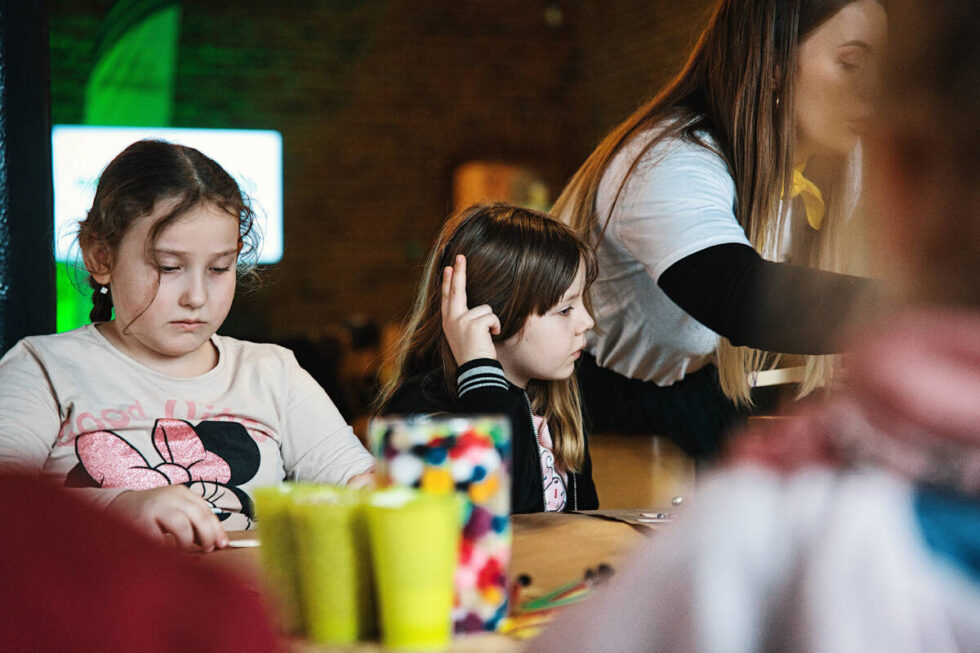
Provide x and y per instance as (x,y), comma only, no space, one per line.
(334,564)
(414,546)
(278,551)
(471,456)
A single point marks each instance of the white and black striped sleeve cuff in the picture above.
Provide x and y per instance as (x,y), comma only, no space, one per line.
(485,373)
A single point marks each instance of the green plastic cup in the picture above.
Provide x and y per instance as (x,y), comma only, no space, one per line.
(278,551)
(334,564)
(414,546)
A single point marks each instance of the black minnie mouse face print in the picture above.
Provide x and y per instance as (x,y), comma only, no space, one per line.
(212,459)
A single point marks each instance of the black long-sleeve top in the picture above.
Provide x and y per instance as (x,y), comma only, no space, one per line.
(753,302)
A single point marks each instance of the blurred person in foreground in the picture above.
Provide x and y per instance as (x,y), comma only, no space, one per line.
(77,579)
(854,525)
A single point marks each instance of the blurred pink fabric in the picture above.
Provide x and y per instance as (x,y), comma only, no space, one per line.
(808,537)
(910,403)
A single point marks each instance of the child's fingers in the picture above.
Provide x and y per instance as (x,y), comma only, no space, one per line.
(208,531)
(155,531)
(457,296)
(476,313)
(484,319)
(192,521)
(447,281)
(207,528)
(177,524)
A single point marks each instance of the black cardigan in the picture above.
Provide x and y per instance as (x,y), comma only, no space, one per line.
(487,391)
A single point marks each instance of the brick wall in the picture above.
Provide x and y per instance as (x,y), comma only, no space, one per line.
(378,101)
(629,51)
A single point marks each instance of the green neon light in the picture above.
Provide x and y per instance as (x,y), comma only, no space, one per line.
(73,305)
(132,84)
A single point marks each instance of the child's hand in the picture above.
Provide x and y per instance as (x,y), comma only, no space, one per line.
(362,480)
(468,331)
(172,511)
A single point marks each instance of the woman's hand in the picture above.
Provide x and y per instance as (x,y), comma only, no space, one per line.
(468,330)
(172,511)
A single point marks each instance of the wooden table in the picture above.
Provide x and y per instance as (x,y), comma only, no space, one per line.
(552,549)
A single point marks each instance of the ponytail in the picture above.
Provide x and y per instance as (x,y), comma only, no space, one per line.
(101,302)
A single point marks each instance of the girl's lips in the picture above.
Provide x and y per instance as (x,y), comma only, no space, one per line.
(187,324)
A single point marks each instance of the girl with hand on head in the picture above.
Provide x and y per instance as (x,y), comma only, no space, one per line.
(148,413)
(715,253)
(498,325)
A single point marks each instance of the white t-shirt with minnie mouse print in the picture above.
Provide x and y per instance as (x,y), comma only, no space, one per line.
(78,411)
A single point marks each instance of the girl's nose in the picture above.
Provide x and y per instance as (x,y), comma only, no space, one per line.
(195,292)
(587,323)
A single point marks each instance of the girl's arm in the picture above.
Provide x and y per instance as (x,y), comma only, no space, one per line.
(317,443)
(29,414)
(481,387)
(757,303)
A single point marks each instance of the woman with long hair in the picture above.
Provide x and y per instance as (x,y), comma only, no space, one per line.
(713,248)
(854,526)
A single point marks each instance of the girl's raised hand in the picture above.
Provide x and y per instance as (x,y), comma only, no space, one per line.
(172,511)
(468,330)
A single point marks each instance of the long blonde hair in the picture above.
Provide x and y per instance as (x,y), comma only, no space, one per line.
(518,261)
(738,87)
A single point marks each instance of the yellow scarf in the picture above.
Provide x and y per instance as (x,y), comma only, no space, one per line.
(813,202)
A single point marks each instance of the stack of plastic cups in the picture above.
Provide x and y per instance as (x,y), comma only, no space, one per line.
(414,543)
(278,552)
(334,564)
(328,552)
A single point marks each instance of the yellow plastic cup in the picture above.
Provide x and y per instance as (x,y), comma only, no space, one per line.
(414,546)
(278,551)
(334,564)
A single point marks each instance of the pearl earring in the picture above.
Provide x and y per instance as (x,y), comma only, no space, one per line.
(104,289)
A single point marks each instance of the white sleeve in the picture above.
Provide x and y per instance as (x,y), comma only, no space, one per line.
(317,444)
(29,414)
(679,200)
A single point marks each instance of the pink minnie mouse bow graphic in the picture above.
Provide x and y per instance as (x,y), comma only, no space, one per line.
(112,462)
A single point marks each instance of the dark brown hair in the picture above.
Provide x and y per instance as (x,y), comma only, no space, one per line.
(519,262)
(738,87)
(144,174)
